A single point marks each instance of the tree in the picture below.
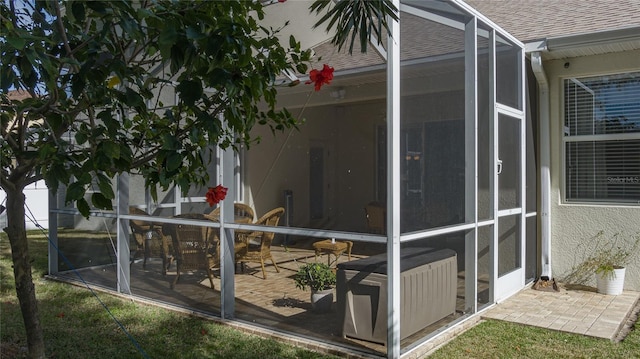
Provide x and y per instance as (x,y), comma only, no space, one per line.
(95,72)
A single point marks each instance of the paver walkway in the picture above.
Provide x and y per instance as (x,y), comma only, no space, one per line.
(574,311)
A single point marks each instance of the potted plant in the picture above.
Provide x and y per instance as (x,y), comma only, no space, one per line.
(608,258)
(320,278)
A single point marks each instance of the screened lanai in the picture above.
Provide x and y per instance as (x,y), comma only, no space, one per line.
(419,154)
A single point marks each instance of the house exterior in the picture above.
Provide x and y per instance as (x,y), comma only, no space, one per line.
(37,194)
(567,42)
(570,42)
(470,128)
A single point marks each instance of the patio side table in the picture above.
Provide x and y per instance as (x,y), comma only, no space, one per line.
(330,247)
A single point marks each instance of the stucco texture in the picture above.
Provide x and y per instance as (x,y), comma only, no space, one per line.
(573,224)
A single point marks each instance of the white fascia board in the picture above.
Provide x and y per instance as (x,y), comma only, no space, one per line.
(594,38)
(535,46)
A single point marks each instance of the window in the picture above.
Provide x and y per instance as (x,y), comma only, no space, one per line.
(602,139)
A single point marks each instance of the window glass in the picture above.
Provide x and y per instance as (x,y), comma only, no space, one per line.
(602,138)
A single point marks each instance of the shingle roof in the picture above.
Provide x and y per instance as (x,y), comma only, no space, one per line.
(526,20)
(427,39)
(18,95)
(530,20)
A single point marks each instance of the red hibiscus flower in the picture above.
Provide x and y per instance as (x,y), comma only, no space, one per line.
(216,194)
(321,77)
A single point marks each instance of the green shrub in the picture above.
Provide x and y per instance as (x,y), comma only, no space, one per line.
(604,255)
(317,276)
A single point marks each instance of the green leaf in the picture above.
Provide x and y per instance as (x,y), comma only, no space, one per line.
(174,161)
(135,100)
(84,177)
(100,201)
(359,21)
(218,77)
(97,6)
(129,27)
(75,191)
(170,143)
(83,207)
(110,121)
(81,137)
(7,78)
(167,39)
(77,85)
(144,13)
(194,33)
(58,172)
(52,183)
(190,91)
(110,149)
(17,42)
(46,150)
(77,8)
(177,58)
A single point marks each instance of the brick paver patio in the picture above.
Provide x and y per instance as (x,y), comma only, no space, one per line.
(575,311)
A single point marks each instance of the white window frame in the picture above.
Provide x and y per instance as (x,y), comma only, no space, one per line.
(587,138)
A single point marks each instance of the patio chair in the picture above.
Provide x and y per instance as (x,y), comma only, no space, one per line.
(256,246)
(194,247)
(243,213)
(150,241)
(375,213)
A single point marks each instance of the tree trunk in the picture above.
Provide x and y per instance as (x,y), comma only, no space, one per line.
(25,290)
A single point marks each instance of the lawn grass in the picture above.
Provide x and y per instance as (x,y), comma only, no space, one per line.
(77,325)
(497,339)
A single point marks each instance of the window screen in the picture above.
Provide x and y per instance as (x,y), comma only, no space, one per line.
(602,139)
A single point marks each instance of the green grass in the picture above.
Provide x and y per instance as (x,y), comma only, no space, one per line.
(496,339)
(76,325)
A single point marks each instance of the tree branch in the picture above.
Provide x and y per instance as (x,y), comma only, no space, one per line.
(63,34)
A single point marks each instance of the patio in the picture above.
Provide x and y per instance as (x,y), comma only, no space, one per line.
(274,307)
(580,311)
(432,167)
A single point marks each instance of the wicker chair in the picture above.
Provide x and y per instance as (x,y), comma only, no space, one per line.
(256,246)
(150,241)
(194,246)
(242,212)
(375,213)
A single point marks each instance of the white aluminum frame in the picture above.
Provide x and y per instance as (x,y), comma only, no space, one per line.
(394,238)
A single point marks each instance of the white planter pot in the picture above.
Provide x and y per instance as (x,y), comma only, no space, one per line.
(612,285)
(321,300)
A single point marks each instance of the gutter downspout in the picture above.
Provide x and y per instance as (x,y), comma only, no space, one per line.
(545,164)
